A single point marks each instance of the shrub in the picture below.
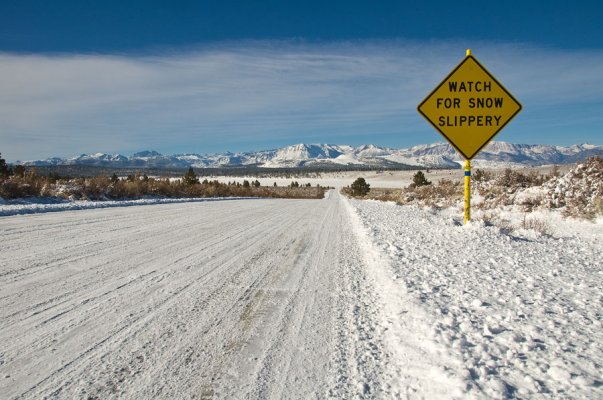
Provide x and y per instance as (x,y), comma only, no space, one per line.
(536,224)
(481,176)
(19,171)
(580,191)
(514,180)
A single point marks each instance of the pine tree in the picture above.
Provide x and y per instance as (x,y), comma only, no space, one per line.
(419,179)
(190,178)
(4,170)
(360,187)
(114,178)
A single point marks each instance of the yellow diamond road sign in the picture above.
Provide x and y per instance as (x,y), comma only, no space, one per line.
(469,107)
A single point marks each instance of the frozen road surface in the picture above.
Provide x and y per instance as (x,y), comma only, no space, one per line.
(226,299)
(296,299)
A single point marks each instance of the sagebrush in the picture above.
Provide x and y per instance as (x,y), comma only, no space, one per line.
(137,186)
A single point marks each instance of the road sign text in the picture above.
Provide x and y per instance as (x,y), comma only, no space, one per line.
(469,107)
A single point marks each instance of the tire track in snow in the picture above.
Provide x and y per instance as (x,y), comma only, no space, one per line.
(155,309)
(264,298)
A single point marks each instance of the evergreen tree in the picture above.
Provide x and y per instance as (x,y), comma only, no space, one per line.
(190,178)
(114,179)
(360,187)
(4,170)
(246,183)
(419,179)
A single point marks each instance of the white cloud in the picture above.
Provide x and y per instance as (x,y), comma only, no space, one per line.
(216,98)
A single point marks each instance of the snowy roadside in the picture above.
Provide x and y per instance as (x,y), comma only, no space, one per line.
(416,361)
(508,314)
(36,206)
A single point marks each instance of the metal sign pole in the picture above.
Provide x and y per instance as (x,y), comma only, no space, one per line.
(467,191)
(467,213)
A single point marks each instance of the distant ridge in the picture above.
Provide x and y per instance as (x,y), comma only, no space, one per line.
(436,155)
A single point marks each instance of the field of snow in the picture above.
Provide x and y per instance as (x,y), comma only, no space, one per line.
(296,299)
(377,179)
(386,179)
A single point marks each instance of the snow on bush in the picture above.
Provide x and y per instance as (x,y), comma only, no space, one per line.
(507,189)
(579,192)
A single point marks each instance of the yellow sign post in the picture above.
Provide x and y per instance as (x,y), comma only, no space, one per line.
(469,108)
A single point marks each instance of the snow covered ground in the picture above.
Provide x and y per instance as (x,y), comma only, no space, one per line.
(521,311)
(377,179)
(385,179)
(296,299)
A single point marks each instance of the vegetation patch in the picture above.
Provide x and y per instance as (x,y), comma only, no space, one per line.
(578,193)
(19,182)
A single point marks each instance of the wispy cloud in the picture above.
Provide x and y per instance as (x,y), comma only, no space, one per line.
(233,96)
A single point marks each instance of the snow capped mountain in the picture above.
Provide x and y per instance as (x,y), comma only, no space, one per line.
(300,154)
(94,159)
(146,154)
(436,155)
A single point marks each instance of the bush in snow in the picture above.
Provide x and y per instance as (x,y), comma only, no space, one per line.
(536,224)
(139,185)
(511,187)
(481,176)
(445,193)
(26,186)
(580,191)
(514,179)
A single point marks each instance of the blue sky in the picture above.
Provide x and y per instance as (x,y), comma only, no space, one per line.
(211,76)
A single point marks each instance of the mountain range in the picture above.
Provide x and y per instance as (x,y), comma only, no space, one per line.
(436,155)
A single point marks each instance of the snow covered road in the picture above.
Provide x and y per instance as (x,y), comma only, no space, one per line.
(295,299)
(235,299)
